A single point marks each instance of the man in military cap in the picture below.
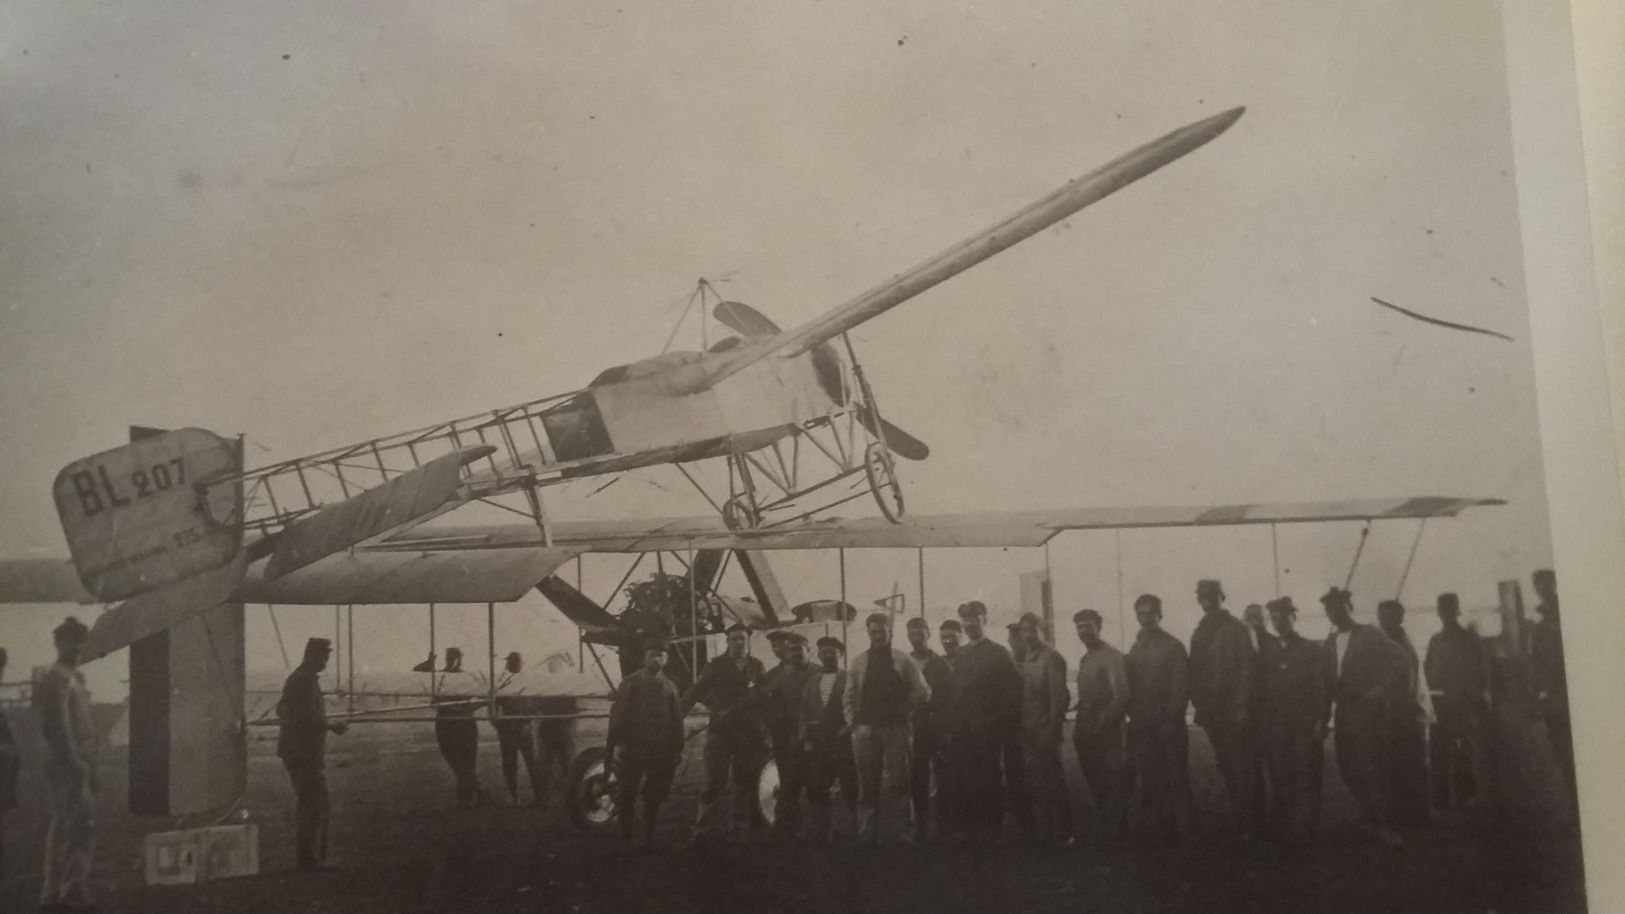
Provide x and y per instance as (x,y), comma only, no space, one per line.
(456,732)
(1044,703)
(70,773)
(645,740)
(302,745)
(735,739)
(1297,701)
(1222,659)
(1158,741)
(1368,676)
(782,689)
(883,687)
(1407,769)
(10,763)
(1097,734)
(987,695)
(930,726)
(826,738)
(516,734)
(1457,679)
(1017,796)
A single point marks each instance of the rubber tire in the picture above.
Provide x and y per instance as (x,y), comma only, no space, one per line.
(588,764)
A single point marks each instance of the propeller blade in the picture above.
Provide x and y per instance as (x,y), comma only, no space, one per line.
(900,442)
(744,320)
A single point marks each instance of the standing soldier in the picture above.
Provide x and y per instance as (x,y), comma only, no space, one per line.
(930,725)
(986,685)
(458,735)
(302,744)
(1017,796)
(516,736)
(1044,703)
(1369,675)
(1159,744)
(1097,734)
(1221,677)
(645,740)
(827,739)
(10,762)
(950,806)
(1408,772)
(1264,645)
(1457,681)
(1549,680)
(71,778)
(735,740)
(1297,700)
(883,687)
(782,687)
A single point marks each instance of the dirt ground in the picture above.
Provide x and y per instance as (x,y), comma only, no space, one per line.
(402,846)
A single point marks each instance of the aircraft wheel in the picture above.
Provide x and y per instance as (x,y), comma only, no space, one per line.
(767,791)
(593,785)
(883,482)
(737,513)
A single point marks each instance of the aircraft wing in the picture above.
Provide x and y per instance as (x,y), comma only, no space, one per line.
(1006,529)
(500,563)
(1041,214)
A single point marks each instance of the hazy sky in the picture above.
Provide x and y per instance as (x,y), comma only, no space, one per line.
(317,223)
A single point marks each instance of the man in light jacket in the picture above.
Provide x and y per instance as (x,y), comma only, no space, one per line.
(883,688)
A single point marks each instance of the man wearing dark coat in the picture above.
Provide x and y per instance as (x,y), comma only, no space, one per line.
(1457,680)
(1221,676)
(302,744)
(1368,676)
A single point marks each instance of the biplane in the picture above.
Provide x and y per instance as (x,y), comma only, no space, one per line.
(172,526)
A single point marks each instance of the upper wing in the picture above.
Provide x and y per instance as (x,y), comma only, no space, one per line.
(997,529)
(1042,214)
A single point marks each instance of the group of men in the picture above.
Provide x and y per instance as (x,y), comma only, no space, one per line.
(530,728)
(983,724)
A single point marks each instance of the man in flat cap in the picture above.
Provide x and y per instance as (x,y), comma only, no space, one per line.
(1297,701)
(883,687)
(645,740)
(1017,797)
(302,744)
(987,694)
(1097,734)
(516,733)
(69,770)
(1457,679)
(735,739)
(1221,676)
(1407,769)
(457,733)
(827,739)
(782,688)
(1158,740)
(1044,703)
(930,727)
(1368,675)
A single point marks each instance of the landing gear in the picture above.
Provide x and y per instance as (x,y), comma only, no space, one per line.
(883,483)
(739,514)
(591,800)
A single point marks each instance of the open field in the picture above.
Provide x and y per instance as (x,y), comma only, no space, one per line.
(403,846)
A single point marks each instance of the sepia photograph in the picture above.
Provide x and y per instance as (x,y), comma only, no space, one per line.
(811,456)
